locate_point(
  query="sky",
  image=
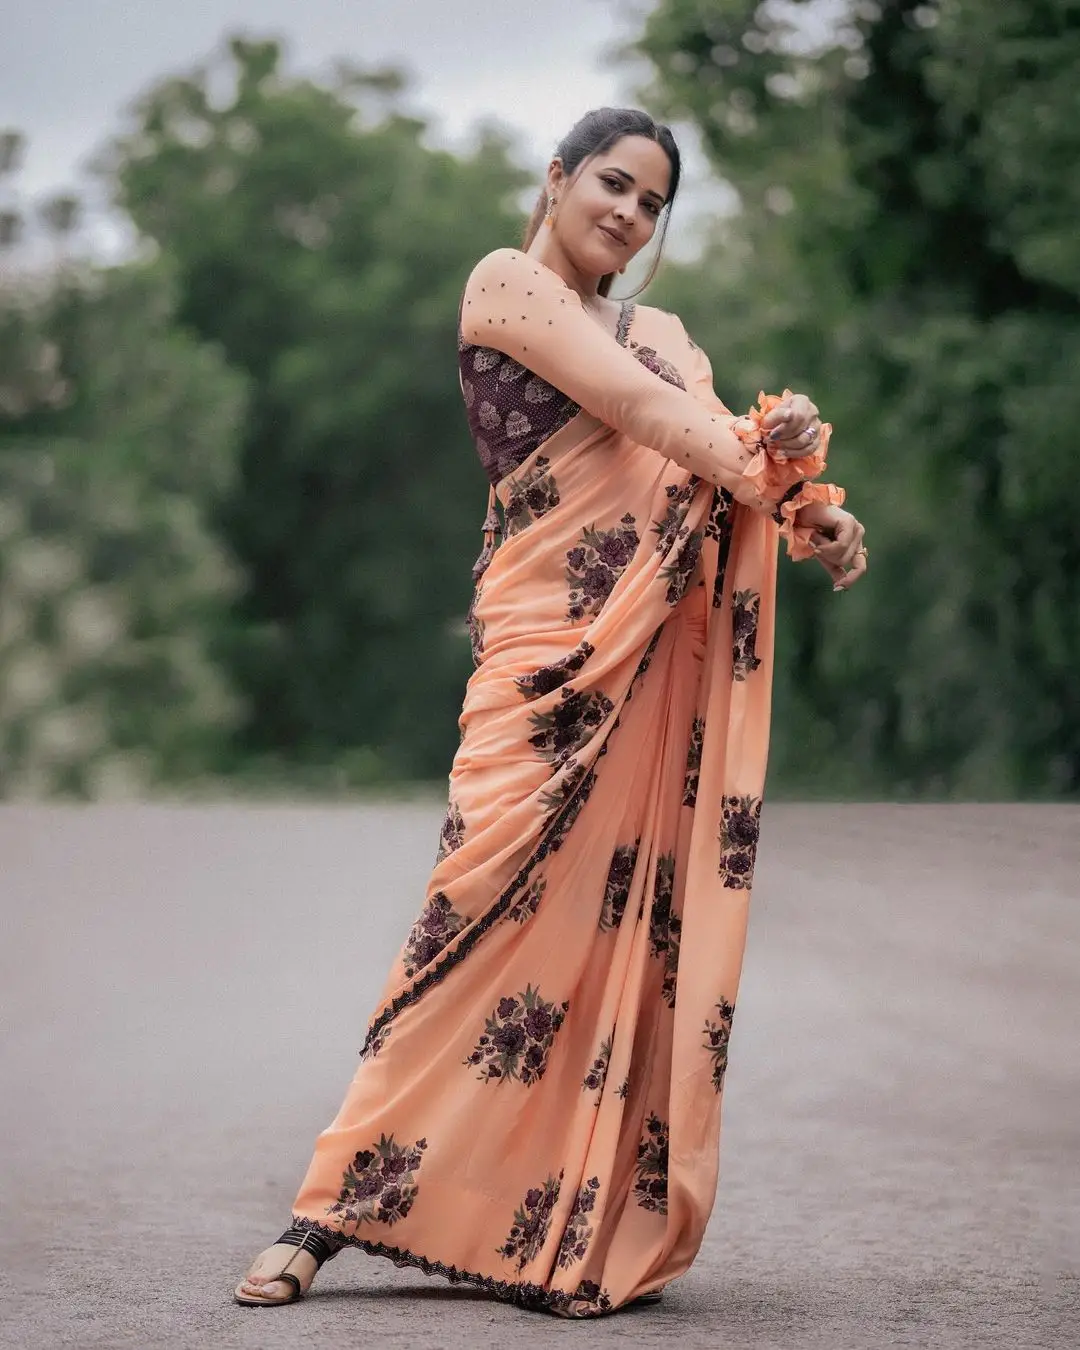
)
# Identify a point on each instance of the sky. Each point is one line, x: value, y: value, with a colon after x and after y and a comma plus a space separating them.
x: 70, y: 68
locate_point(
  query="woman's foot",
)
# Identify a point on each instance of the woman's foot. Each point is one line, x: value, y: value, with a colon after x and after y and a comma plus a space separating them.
x: 260, y: 1280
x: 285, y: 1271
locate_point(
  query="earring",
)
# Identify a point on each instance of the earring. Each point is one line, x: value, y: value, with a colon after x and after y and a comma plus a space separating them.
x: 621, y: 270
x: 550, y: 217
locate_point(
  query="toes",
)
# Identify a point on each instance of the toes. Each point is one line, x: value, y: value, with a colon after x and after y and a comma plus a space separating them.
x: 274, y: 1289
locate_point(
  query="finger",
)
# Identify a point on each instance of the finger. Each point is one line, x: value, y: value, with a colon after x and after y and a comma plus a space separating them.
x: 833, y: 551
x: 855, y: 573
x: 852, y: 540
x: 800, y: 413
x: 778, y: 419
x: 836, y: 573
x: 794, y: 446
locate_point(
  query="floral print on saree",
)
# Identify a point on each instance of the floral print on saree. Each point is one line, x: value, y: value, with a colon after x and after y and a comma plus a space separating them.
x: 573, y: 759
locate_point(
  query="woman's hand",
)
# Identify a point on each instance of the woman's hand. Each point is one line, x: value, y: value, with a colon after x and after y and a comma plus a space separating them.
x: 792, y: 427
x: 838, y: 542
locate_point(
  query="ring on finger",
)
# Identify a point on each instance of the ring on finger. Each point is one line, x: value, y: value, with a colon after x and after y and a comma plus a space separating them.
x: 810, y: 433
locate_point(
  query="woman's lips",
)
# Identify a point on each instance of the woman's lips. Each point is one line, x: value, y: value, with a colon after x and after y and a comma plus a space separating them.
x: 619, y: 243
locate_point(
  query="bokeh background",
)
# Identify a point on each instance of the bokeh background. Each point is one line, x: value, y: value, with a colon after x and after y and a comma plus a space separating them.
x: 238, y: 501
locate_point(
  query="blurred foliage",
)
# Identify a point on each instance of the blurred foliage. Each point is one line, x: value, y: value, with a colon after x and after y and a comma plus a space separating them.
x: 908, y: 252
x: 118, y: 435
x: 324, y: 248
x: 238, y: 505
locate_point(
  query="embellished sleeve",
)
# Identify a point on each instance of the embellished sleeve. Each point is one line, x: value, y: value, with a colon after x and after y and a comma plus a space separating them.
x: 785, y: 483
x: 517, y: 305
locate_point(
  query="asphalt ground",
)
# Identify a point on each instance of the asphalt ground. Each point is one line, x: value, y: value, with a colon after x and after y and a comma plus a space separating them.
x: 184, y: 991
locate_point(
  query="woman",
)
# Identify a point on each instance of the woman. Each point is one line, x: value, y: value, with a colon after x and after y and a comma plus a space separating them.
x: 537, y: 1107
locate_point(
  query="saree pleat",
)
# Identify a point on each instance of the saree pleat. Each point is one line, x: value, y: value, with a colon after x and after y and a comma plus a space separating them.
x: 537, y: 1107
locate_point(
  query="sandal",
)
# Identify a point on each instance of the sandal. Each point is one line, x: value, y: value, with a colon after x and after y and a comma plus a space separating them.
x: 304, y: 1240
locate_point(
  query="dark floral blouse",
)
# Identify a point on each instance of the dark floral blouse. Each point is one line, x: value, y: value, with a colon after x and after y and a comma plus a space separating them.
x: 511, y: 410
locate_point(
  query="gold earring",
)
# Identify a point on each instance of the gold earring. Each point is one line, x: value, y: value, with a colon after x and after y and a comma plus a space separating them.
x: 549, y: 219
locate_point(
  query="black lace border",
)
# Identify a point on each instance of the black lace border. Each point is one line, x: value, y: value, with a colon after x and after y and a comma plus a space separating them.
x: 793, y: 491
x: 453, y: 955
x: 524, y: 1294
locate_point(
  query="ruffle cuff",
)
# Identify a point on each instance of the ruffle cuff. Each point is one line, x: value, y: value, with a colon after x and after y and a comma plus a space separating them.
x: 773, y: 475
x: 797, y: 537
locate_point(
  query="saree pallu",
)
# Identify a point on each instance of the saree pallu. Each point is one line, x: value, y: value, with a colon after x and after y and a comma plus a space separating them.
x: 537, y: 1107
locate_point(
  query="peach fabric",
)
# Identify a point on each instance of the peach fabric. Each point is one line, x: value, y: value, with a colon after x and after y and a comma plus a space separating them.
x: 537, y: 1107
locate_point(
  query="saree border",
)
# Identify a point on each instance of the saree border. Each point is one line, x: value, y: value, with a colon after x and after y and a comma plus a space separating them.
x: 524, y: 1293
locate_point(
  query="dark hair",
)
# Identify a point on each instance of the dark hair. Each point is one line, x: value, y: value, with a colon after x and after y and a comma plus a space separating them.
x: 595, y: 133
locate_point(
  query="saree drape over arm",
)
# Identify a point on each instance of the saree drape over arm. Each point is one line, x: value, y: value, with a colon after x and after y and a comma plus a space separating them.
x: 537, y: 1107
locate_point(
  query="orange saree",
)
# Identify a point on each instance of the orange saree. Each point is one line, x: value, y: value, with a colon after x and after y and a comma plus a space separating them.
x: 537, y: 1107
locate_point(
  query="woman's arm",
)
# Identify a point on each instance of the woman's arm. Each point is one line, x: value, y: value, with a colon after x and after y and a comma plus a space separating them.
x: 518, y: 306
x: 806, y: 508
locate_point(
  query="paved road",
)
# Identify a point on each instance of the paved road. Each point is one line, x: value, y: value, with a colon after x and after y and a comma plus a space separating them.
x: 184, y: 992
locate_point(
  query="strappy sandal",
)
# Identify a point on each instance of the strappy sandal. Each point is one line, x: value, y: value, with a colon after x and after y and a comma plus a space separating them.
x: 304, y: 1240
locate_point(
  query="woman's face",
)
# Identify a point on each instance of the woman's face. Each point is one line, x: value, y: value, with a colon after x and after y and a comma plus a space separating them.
x: 608, y: 212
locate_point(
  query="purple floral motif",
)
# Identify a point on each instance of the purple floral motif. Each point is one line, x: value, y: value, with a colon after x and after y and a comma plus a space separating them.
x: 549, y: 678
x: 693, y: 762
x: 597, y: 1075
x: 577, y: 1234
x: 452, y: 835
x: 376, y: 1042
x: 740, y: 824
x: 379, y: 1185
x: 651, y: 1186
x: 438, y: 924
x: 659, y: 365
x: 595, y: 564
x: 517, y: 1038
x: 665, y: 928
x: 559, y: 733
x: 526, y: 905
x: 680, y: 571
x: 744, y: 625
x: 670, y: 528
x: 617, y: 887
x: 717, y: 1036
x: 474, y: 626
x: 588, y: 1291
x: 566, y: 799
x: 673, y: 535
x: 532, y: 1220
x: 531, y: 496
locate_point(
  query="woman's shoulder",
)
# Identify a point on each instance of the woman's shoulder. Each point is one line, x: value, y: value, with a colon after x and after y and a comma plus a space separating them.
x: 664, y: 320
x: 510, y: 266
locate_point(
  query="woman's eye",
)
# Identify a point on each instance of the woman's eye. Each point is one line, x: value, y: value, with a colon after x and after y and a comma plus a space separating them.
x: 651, y: 206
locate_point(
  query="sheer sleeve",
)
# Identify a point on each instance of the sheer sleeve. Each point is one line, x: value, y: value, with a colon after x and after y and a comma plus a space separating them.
x: 517, y: 305
x: 700, y: 373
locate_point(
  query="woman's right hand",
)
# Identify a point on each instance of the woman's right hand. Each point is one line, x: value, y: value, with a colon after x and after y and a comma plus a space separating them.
x: 838, y: 542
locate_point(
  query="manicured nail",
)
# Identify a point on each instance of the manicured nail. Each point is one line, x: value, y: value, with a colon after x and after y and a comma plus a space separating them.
x: 838, y: 587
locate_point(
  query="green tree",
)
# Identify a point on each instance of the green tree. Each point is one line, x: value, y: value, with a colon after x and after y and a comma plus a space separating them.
x: 118, y: 434
x: 908, y: 251
x: 324, y: 247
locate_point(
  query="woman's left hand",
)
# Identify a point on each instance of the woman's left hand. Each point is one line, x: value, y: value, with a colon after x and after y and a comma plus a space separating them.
x: 793, y: 427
